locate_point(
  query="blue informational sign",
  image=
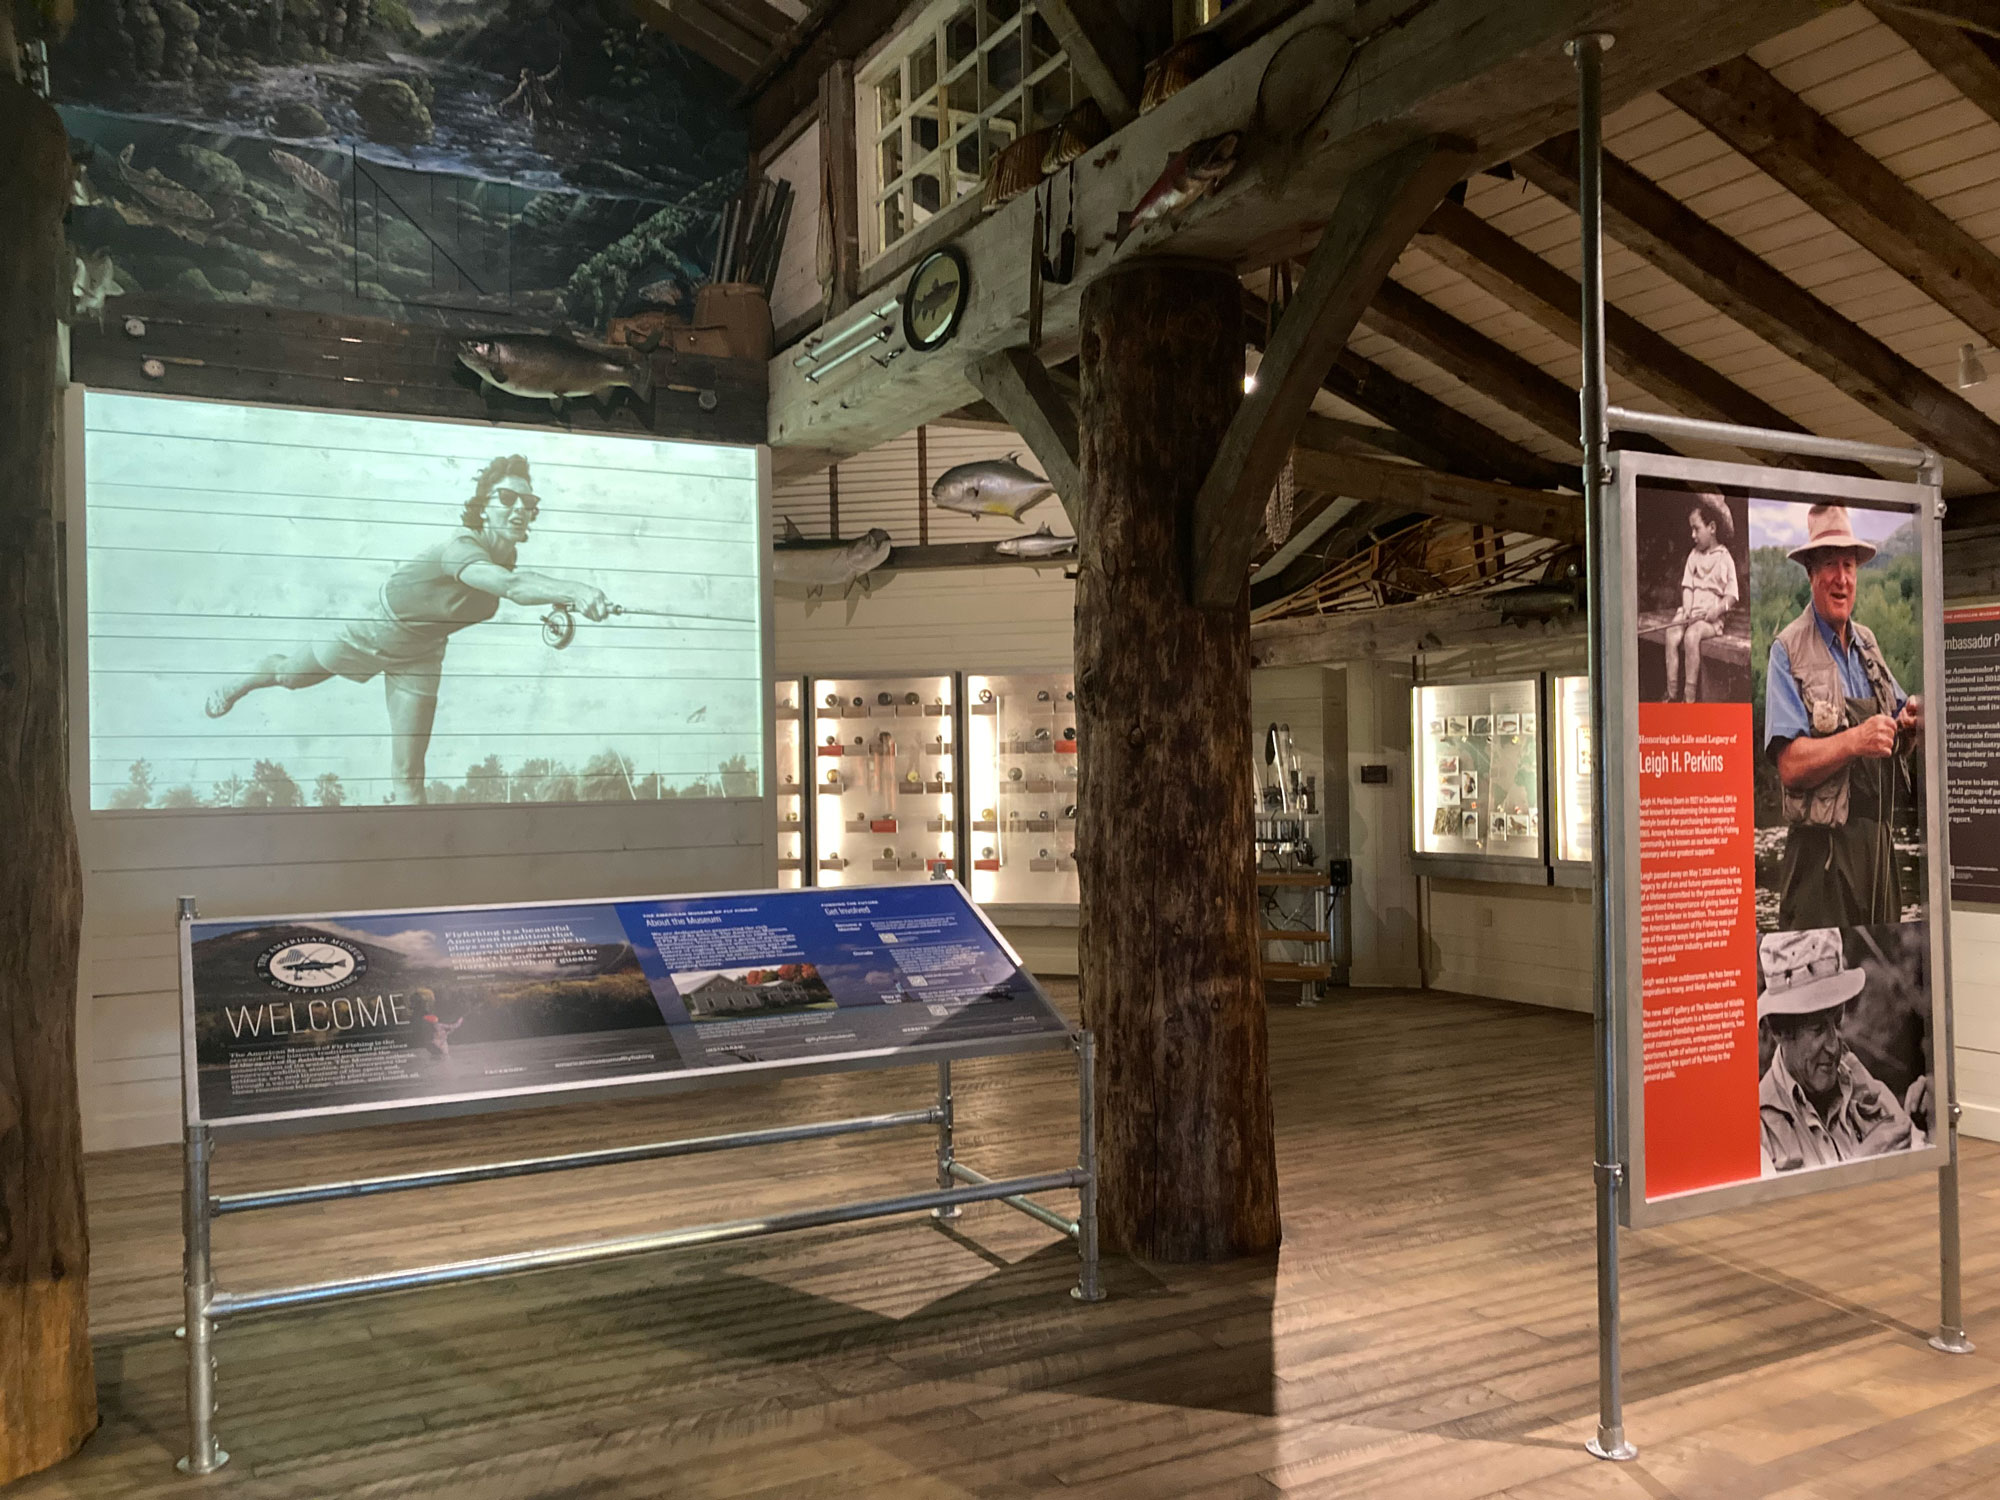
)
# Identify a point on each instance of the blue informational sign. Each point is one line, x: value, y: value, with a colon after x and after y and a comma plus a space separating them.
x: 373, y: 1012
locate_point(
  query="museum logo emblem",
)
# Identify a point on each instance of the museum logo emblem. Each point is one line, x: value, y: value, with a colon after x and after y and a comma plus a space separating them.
x: 310, y: 966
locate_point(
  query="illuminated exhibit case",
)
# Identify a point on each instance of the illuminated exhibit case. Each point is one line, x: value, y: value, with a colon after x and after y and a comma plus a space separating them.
x: 1573, y: 768
x: 1477, y: 785
x: 1021, y: 778
x: 304, y: 609
x: 967, y: 776
x: 885, y: 774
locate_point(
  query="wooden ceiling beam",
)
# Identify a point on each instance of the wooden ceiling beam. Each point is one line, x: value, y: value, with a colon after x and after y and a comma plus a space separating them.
x: 1402, y: 630
x: 1473, y: 448
x: 1791, y: 142
x: 1475, y: 70
x: 706, y: 34
x: 1020, y: 388
x: 1337, y: 435
x: 1750, y: 290
x: 1379, y: 209
x: 1457, y: 237
x: 1971, y: 63
x: 1103, y: 52
x: 1968, y: 15
x: 1473, y: 359
x: 1504, y: 507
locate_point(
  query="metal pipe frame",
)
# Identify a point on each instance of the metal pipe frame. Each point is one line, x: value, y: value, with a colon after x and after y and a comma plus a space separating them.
x: 1694, y: 429
x: 237, y: 1304
x: 205, y: 1306
x: 369, y: 1187
x: 1607, y: 929
x: 1028, y: 1206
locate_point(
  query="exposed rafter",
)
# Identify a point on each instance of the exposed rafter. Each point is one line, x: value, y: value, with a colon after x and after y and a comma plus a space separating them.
x: 1748, y: 289
x: 1504, y: 507
x: 1473, y: 359
x: 1103, y: 52
x: 1019, y: 387
x: 1494, y: 75
x: 1971, y: 15
x: 1337, y: 435
x: 1401, y: 630
x: 1971, y: 62
x: 1378, y: 211
x: 1473, y: 448
x: 1457, y: 237
x: 1784, y: 136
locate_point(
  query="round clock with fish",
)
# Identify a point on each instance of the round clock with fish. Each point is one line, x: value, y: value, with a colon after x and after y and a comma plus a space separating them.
x: 934, y: 301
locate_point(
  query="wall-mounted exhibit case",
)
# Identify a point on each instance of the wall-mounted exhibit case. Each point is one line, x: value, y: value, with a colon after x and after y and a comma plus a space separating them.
x: 1477, y: 793
x: 1575, y: 753
x: 1020, y: 778
x: 885, y: 768
x: 922, y: 778
x: 791, y: 775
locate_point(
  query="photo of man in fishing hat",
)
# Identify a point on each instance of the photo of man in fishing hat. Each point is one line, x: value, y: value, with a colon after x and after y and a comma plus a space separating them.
x: 1843, y: 736
x: 1817, y: 1104
x: 402, y: 632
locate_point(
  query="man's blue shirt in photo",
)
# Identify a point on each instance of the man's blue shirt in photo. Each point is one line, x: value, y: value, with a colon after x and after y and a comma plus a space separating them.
x: 1785, y: 716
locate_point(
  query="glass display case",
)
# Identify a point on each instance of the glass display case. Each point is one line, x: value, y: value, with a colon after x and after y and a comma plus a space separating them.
x: 790, y: 773
x: 883, y: 751
x: 1477, y: 779
x: 1021, y: 769
x: 1575, y: 769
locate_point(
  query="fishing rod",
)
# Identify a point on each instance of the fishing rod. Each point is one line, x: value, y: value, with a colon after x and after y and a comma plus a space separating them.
x: 559, y: 624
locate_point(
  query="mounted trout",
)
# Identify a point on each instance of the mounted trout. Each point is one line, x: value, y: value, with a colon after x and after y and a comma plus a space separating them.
x: 990, y: 487
x: 825, y: 565
x: 1188, y: 177
x: 554, y: 370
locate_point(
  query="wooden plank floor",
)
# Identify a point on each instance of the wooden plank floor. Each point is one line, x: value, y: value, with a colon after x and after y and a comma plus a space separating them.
x: 1427, y: 1332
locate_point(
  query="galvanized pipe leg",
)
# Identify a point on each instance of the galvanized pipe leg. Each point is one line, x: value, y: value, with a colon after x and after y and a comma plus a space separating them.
x: 198, y: 1283
x: 945, y: 1149
x: 1609, y: 933
x: 1950, y: 1337
x: 1087, y: 1288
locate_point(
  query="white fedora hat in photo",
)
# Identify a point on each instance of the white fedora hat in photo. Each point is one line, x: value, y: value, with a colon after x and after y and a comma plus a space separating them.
x: 1830, y: 526
x: 1805, y: 973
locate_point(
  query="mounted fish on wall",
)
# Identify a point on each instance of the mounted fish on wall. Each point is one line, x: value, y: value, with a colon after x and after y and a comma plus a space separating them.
x: 476, y: 163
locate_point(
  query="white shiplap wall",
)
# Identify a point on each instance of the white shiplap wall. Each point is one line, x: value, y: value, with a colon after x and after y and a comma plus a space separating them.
x: 304, y: 860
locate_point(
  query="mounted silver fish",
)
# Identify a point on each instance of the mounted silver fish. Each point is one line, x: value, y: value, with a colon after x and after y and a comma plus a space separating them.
x: 555, y: 370
x: 1036, y: 544
x: 823, y: 565
x: 990, y: 487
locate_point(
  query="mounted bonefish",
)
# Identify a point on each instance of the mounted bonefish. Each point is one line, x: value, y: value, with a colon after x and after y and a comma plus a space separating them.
x: 826, y: 565
x: 990, y: 487
x: 1036, y: 544
x: 554, y: 370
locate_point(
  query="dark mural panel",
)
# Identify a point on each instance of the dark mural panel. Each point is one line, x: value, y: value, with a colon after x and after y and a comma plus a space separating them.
x: 540, y: 160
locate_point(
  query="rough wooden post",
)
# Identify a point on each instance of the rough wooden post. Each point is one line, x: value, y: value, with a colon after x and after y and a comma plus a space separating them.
x: 1167, y: 944
x: 48, y: 1395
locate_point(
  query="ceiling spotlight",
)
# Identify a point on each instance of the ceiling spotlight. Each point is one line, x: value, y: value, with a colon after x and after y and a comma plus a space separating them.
x: 1250, y: 379
x: 1970, y: 371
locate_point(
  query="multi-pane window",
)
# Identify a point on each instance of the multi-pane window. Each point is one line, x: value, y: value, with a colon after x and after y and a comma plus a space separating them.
x: 963, y: 84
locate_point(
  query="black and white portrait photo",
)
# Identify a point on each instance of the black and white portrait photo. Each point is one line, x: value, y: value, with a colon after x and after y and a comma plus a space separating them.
x: 1844, y: 1045
x: 1693, y: 596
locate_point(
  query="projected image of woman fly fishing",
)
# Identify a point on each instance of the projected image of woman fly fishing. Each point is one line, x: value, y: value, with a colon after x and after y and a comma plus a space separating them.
x: 457, y: 581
